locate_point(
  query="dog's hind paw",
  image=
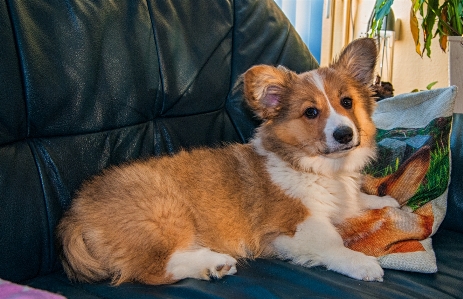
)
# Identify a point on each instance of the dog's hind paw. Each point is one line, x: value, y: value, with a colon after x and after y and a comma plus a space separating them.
x: 219, y: 271
x: 201, y: 263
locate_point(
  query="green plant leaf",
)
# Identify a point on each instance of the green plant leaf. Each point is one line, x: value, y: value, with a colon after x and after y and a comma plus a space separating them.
x: 382, y: 9
x: 428, y: 24
x: 458, y: 16
x: 430, y: 85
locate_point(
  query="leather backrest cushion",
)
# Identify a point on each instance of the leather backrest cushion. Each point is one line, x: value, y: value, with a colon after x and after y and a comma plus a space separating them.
x: 454, y: 216
x: 88, y: 84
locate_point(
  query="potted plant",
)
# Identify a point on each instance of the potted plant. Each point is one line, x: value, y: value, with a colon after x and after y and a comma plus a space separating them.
x: 438, y: 18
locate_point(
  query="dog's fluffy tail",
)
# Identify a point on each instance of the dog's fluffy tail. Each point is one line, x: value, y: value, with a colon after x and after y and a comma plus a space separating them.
x: 76, y: 258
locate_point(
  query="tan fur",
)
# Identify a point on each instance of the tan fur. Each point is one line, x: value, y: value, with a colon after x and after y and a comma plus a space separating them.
x: 131, y: 218
x: 130, y: 222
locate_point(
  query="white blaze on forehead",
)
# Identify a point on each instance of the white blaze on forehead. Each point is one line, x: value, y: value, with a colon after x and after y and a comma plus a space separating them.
x: 335, y: 119
x: 319, y: 83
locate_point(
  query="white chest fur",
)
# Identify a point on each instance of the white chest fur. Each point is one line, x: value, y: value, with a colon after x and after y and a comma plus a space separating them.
x: 336, y: 197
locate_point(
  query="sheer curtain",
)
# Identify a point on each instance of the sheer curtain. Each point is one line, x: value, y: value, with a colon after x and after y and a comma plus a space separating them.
x: 306, y: 17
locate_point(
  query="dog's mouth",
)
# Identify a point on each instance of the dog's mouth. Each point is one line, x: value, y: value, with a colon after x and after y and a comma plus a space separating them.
x: 340, y: 150
x: 323, y: 149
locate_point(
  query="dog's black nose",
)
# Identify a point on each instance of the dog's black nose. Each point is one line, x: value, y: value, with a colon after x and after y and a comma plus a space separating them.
x: 343, y: 134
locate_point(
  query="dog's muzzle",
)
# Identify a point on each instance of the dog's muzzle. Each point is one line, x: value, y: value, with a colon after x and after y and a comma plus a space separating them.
x: 343, y: 139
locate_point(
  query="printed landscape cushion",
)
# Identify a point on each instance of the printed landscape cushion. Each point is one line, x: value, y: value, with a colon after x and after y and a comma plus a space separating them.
x: 413, y: 166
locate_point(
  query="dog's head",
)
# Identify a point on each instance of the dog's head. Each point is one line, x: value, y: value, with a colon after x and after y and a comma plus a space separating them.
x: 318, y: 121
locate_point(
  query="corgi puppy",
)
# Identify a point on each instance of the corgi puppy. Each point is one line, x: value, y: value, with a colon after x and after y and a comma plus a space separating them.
x: 194, y: 214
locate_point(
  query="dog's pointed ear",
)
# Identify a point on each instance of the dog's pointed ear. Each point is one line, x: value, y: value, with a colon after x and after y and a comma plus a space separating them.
x: 264, y: 88
x: 358, y: 59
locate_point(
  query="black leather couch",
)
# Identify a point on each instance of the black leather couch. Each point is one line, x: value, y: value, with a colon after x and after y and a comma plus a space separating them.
x: 87, y: 84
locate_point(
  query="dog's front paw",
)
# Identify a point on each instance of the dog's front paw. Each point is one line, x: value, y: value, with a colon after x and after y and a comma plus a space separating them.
x: 359, y: 266
x: 367, y: 268
x: 407, y: 209
x: 389, y: 201
x: 376, y: 202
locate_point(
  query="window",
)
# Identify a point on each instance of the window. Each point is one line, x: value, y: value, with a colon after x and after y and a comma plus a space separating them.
x: 306, y: 17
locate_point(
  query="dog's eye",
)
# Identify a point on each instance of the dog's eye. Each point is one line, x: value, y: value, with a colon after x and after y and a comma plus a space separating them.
x: 346, y: 103
x: 311, y: 113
